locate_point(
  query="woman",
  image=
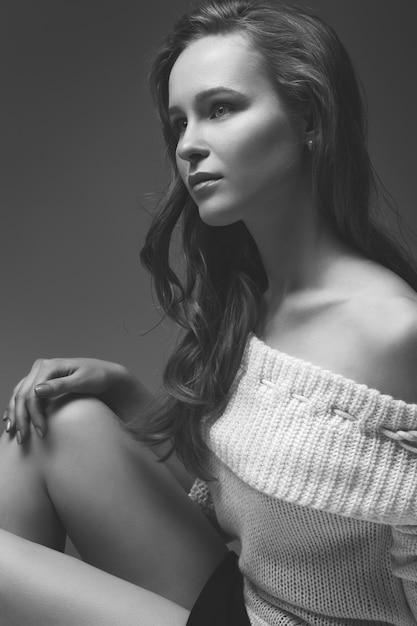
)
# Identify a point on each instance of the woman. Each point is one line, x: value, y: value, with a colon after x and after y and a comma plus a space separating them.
x: 295, y: 309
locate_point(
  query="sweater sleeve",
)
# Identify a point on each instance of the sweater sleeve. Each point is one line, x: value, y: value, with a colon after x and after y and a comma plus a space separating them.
x: 404, y: 562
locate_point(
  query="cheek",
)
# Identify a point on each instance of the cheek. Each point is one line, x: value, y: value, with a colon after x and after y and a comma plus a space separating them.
x: 265, y: 149
x: 181, y: 168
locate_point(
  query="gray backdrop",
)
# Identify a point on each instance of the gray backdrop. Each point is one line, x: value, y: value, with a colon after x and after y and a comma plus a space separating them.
x: 82, y: 157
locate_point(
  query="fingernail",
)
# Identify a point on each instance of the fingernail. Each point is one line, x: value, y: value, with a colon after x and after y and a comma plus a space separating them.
x: 6, y: 413
x: 19, y: 437
x: 39, y: 432
x: 8, y: 426
x: 42, y: 390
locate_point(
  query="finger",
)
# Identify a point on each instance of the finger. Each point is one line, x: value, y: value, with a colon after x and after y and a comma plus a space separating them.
x: 21, y: 414
x: 35, y: 408
x: 22, y: 419
x: 72, y: 383
x: 6, y: 420
x: 9, y: 420
x: 9, y: 414
x: 7, y: 423
x: 27, y: 405
x: 64, y: 381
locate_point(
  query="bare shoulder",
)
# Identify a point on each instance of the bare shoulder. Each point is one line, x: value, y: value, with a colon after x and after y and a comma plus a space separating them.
x: 384, y: 324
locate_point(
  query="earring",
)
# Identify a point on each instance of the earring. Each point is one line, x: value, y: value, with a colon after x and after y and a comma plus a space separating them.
x: 310, y: 144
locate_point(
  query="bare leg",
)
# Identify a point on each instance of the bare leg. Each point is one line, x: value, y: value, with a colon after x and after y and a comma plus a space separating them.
x: 43, y: 587
x: 125, y: 513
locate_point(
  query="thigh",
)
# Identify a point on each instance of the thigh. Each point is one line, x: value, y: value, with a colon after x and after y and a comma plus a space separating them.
x: 42, y: 587
x: 123, y: 510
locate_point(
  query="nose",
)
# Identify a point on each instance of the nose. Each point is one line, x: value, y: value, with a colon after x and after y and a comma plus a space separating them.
x: 192, y: 146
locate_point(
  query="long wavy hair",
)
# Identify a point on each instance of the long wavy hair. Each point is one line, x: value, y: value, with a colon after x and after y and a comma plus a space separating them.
x: 215, y: 296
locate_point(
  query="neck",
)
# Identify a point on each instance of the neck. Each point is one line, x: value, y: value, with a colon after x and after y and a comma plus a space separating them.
x: 297, y: 247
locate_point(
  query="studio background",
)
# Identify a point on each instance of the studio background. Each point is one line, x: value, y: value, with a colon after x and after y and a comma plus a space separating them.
x: 82, y: 159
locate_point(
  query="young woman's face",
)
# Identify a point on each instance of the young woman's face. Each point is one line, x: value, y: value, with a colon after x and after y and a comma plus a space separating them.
x: 238, y: 152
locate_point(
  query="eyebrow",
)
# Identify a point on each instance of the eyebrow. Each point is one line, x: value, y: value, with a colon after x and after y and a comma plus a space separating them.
x: 207, y: 93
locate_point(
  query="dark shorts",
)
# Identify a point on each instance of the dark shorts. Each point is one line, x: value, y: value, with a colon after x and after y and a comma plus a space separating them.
x: 221, y: 601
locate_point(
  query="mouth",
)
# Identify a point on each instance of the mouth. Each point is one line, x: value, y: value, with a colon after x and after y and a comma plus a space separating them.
x: 205, y: 184
x: 202, y: 180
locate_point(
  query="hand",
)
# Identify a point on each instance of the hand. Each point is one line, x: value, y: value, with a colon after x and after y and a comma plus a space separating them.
x: 50, y: 378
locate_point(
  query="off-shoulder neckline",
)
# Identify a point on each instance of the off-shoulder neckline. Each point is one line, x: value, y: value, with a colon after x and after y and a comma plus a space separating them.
x: 304, y: 366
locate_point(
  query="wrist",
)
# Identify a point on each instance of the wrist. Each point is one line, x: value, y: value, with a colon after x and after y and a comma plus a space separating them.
x: 125, y: 394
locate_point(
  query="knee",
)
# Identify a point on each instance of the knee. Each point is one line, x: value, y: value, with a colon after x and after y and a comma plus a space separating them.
x: 78, y: 420
x: 71, y: 412
x: 82, y: 435
x: 68, y: 419
x: 75, y: 424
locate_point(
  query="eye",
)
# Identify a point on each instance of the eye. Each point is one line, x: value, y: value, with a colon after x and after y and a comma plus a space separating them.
x: 220, y: 110
x: 179, y: 125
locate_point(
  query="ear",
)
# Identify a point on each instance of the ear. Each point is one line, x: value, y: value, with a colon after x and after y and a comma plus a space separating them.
x: 307, y: 129
x: 309, y: 138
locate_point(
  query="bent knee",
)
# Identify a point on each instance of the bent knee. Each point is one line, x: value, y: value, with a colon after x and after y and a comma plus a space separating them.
x: 72, y: 424
x: 83, y: 436
x: 71, y: 421
x: 79, y: 421
x: 77, y: 411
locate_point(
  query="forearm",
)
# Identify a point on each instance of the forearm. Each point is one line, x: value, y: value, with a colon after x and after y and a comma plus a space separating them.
x: 127, y: 396
x: 130, y: 399
x: 42, y: 587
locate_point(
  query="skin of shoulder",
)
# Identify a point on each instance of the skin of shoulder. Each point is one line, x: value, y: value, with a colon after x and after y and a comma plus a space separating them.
x: 386, y: 342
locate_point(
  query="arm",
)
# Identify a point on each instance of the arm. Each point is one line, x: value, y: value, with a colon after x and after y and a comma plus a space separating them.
x: 42, y: 587
x: 393, y: 367
x: 110, y: 382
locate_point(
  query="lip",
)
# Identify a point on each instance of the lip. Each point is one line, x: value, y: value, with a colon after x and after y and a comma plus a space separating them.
x: 199, y: 180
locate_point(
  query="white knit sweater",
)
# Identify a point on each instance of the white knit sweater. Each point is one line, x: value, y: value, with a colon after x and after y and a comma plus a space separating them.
x: 317, y: 480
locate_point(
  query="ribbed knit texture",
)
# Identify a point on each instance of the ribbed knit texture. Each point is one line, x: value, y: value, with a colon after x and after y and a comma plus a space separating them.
x: 314, y: 471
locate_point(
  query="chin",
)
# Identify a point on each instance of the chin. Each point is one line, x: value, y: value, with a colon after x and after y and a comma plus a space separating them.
x: 218, y: 217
